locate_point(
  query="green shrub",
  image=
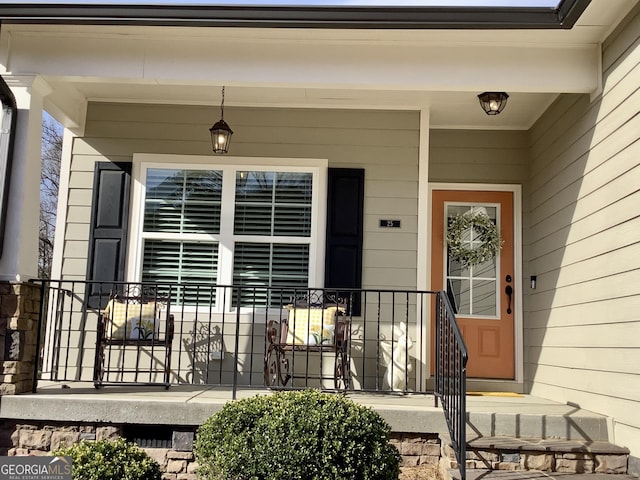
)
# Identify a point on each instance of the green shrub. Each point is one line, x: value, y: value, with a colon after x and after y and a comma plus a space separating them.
x: 305, y: 435
x: 110, y: 460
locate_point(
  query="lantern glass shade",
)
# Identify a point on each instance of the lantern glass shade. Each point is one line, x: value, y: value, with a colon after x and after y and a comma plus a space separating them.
x: 493, y: 102
x: 220, y: 136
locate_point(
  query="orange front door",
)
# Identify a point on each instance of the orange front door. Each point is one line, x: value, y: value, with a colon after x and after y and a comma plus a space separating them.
x: 482, y: 295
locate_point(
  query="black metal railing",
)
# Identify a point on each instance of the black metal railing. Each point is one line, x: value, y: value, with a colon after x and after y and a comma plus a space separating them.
x: 451, y: 377
x: 209, y: 334
x: 202, y: 338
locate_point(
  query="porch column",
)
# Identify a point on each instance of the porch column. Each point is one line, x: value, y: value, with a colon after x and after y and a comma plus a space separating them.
x: 424, y: 244
x: 19, y: 260
x: 19, y: 311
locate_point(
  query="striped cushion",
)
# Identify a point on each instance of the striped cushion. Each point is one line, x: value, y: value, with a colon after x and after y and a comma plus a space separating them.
x: 134, y: 321
x: 312, y: 326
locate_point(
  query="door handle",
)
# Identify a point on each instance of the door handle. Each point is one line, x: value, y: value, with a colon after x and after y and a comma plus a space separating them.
x: 509, y: 291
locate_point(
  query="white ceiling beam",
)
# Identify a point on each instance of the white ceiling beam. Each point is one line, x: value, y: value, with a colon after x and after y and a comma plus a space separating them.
x: 317, y: 64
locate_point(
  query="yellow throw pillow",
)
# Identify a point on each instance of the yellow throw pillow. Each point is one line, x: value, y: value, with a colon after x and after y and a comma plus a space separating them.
x: 136, y: 321
x: 312, y: 326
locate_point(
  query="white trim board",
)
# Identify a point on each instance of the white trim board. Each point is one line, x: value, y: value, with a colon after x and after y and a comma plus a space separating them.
x: 517, y: 253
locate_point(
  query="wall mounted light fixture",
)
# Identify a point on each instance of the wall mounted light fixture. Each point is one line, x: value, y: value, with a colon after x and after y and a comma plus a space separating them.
x: 493, y: 102
x: 534, y: 282
x: 221, y: 132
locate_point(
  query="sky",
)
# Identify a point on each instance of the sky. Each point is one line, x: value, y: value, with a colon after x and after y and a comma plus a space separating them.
x: 328, y: 3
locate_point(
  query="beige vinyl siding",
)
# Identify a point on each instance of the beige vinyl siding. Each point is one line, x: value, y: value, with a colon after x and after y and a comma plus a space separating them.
x: 478, y: 156
x: 347, y: 138
x: 385, y: 144
x: 582, y: 240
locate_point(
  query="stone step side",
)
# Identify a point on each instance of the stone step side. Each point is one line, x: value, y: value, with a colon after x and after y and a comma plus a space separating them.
x: 480, y: 474
x: 544, y: 455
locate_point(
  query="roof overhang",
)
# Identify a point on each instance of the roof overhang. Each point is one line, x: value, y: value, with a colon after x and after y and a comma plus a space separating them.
x: 436, y: 70
x: 562, y: 16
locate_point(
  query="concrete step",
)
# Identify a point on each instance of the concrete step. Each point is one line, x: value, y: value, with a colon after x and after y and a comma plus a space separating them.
x: 532, y: 417
x: 589, y: 427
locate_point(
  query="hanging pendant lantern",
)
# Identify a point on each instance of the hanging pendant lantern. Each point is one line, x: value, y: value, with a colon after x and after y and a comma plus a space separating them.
x: 221, y: 132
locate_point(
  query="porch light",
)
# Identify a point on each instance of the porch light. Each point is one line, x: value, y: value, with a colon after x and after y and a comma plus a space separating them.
x: 221, y: 132
x: 493, y: 102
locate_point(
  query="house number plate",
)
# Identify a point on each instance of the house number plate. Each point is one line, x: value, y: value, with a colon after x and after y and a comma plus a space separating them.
x: 390, y: 223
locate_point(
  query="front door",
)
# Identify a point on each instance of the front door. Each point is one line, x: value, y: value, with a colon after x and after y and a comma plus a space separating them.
x: 480, y: 291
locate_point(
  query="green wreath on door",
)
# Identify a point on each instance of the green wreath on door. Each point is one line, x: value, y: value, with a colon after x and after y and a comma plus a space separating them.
x: 484, y: 229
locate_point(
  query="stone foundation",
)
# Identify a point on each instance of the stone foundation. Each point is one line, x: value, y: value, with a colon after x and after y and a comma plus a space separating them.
x: 634, y: 467
x: 178, y: 461
x: 174, y: 451
x: 417, y: 449
x: 42, y: 438
x: 19, y: 312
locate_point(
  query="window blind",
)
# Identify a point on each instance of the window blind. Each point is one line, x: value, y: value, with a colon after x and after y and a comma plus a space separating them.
x: 274, y: 265
x: 273, y: 203
x: 174, y: 262
x: 183, y: 201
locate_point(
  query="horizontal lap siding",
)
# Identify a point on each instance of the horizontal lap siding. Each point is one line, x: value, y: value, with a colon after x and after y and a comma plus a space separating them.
x: 385, y: 144
x: 582, y: 240
x: 478, y: 156
x: 600, y: 398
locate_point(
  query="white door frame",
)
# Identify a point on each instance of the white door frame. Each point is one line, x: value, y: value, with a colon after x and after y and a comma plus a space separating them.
x: 517, y: 252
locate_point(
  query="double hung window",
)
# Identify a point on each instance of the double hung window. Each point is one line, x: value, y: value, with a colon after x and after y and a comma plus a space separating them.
x: 253, y: 227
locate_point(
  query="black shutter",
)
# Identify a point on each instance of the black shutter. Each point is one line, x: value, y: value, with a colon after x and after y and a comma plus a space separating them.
x: 106, y: 259
x: 343, y: 260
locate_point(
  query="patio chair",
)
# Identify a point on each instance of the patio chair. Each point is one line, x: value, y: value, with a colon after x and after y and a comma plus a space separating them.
x: 134, y: 339
x: 316, y: 323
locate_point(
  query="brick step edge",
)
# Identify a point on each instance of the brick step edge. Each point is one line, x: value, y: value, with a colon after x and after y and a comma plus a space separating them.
x: 547, y: 455
x: 545, y: 445
x: 479, y: 474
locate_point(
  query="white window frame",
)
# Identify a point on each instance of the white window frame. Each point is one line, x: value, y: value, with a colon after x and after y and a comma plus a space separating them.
x: 228, y: 165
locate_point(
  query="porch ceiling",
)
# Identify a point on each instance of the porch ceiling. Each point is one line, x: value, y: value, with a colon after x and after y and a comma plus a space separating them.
x: 439, y: 70
x: 447, y: 109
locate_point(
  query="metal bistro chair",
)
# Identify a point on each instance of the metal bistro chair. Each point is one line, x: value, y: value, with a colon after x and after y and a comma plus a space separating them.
x: 134, y: 338
x: 315, y: 323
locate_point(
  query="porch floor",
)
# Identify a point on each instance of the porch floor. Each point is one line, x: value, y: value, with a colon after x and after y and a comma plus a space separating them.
x: 492, y: 415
